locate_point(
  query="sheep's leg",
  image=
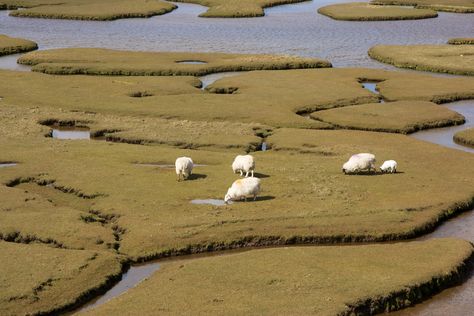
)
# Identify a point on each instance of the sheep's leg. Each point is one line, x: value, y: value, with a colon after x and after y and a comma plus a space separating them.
x: 241, y: 173
x: 252, y: 173
x: 245, y: 199
x: 255, y: 197
x: 246, y: 174
x: 179, y: 177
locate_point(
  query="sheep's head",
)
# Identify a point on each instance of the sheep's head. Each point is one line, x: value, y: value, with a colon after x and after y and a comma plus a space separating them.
x: 229, y: 196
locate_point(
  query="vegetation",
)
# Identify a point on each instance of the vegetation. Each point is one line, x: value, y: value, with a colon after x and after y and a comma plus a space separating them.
x: 453, y: 59
x: 355, y: 280
x: 456, y: 6
x: 461, y: 41
x: 87, y: 9
x: 12, y: 45
x: 114, y: 198
x: 96, y: 61
x: 237, y: 8
x: 465, y: 137
x: 362, y: 11
x: 37, y: 279
x: 395, y: 117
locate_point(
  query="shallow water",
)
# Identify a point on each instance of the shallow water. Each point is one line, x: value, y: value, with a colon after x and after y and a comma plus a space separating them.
x: 71, y: 133
x: 9, y: 62
x: 371, y: 86
x: 210, y: 202
x: 130, y: 279
x: 207, y: 80
x: 444, y: 136
x: 343, y: 43
x: 7, y: 164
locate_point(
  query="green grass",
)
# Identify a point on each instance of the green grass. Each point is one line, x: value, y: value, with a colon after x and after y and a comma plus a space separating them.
x: 237, y: 8
x: 37, y: 279
x: 461, y: 41
x: 465, y: 137
x: 453, y: 59
x: 362, y: 11
x: 88, y: 9
x: 98, y: 196
x: 353, y: 280
x: 96, y: 61
x: 455, y: 6
x: 394, y: 117
x: 12, y: 45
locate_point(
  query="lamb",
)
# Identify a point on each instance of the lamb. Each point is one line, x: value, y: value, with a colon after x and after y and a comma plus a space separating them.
x: 359, y: 162
x: 184, y: 167
x: 242, y: 188
x: 244, y: 163
x: 389, y: 166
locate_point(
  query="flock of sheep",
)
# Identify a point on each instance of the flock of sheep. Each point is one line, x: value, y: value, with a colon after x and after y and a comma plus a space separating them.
x: 250, y: 186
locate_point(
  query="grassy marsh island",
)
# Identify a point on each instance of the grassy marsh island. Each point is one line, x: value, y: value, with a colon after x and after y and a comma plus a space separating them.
x: 461, y: 41
x: 87, y: 9
x: 12, y: 45
x: 455, y: 6
x: 97, y: 61
x: 38, y: 279
x: 362, y: 11
x: 465, y: 137
x: 394, y: 117
x: 452, y: 59
x: 353, y: 280
x: 237, y: 8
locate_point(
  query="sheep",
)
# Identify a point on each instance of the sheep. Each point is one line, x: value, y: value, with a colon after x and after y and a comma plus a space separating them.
x: 242, y: 188
x: 389, y: 166
x: 359, y: 162
x: 184, y: 166
x: 244, y: 163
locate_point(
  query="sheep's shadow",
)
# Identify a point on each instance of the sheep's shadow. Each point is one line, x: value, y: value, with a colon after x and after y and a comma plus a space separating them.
x: 377, y: 173
x: 196, y: 176
x: 258, y: 199
x: 260, y: 175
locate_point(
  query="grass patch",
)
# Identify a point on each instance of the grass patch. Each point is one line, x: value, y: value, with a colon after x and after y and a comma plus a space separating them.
x: 465, y: 137
x: 461, y: 41
x: 394, y: 117
x: 12, y: 45
x: 453, y: 59
x: 362, y: 11
x: 237, y: 8
x: 455, y: 6
x: 355, y: 280
x: 97, y: 61
x: 88, y: 9
x: 37, y: 279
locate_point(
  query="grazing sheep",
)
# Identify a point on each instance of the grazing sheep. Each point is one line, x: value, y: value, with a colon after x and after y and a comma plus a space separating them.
x: 389, y: 166
x: 184, y: 166
x: 359, y: 162
x: 242, y: 188
x: 244, y: 163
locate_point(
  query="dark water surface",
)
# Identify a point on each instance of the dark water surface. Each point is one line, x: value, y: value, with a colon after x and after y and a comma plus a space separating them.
x: 295, y: 29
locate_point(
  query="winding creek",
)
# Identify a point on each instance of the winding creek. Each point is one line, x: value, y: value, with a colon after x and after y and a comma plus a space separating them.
x: 343, y: 43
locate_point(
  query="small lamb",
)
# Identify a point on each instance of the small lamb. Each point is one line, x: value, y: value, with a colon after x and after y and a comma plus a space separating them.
x: 389, y: 166
x: 244, y: 163
x: 360, y: 162
x: 242, y: 188
x: 184, y: 167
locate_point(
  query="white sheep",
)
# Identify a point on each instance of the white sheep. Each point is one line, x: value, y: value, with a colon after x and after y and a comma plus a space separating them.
x: 242, y: 188
x: 184, y: 167
x: 359, y: 162
x: 244, y: 163
x: 389, y: 166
